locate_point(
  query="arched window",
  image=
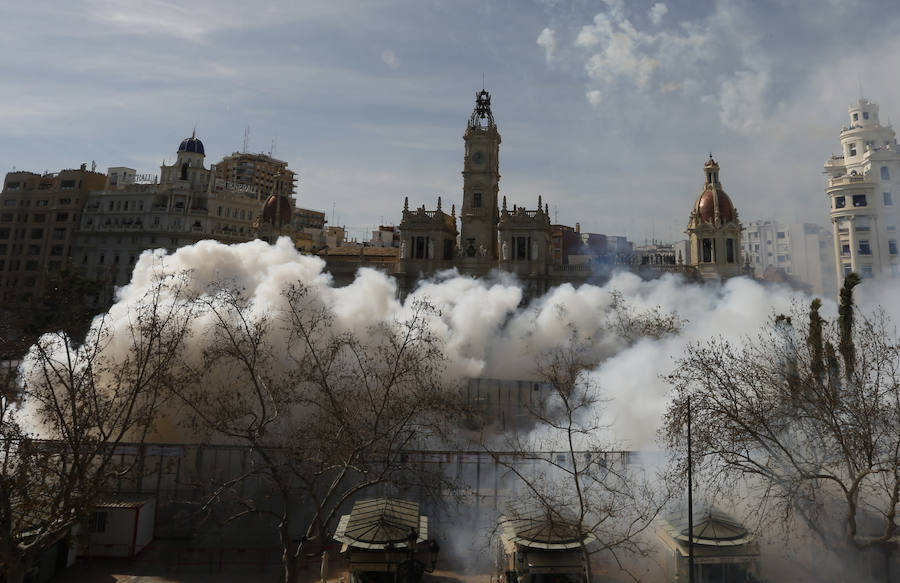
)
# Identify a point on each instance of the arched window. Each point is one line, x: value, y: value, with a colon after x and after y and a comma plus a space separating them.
x: 184, y: 168
x: 885, y: 173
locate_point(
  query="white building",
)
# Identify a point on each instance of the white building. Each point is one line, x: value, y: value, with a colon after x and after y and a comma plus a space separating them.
x: 802, y: 251
x: 862, y: 183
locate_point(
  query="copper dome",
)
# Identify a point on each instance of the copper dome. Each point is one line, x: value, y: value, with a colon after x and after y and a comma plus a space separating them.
x: 707, y: 202
x: 277, y: 210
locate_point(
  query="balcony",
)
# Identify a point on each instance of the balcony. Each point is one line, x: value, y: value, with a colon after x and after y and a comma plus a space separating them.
x: 845, y: 180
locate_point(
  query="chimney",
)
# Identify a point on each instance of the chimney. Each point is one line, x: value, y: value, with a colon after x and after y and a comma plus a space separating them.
x: 577, y: 227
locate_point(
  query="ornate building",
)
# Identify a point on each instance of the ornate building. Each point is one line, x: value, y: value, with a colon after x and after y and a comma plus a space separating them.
x: 182, y: 207
x: 861, y: 196
x: 488, y: 238
x: 714, y: 230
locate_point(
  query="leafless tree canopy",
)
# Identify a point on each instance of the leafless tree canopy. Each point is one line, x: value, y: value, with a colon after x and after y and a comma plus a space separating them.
x: 583, y: 481
x: 87, y: 398
x: 807, y: 414
x: 326, y: 413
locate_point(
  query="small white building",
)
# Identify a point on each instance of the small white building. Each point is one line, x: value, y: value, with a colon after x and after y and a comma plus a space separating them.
x: 802, y: 251
x: 121, y: 526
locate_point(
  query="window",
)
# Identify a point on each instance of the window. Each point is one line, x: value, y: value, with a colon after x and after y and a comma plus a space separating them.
x: 476, y: 200
x: 111, y: 205
x: 10, y: 202
x: 6, y: 217
x: 41, y: 203
x: 782, y: 259
x: 780, y: 234
x: 56, y: 250
x: 729, y: 250
x: 37, y: 233
x: 851, y: 149
x: 67, y: 184
x: 97, y: 522
x: 40, y: 218
x: 218, y: 211
x: 59, y: 234
x: 888, y: 199
x: 885, y: 173
x: 855, y: 117
x: 521, y: 248
x: 864, y: 248
x: 13, y: 185
x: 707, y: 250
x: 65, y: 201
x: 4, y: 233
x: 892, y: 246
x: 31, y: 265
x: 845, y: 249
x: 419, y: 247
x: 867, y: 271
x: 865, y: 115
x: 859, y: 200
x: 62, y: 217
x: 34, y: 249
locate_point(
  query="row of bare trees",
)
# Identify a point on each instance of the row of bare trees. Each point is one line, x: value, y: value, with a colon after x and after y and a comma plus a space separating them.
x: 805, y: 417
x: 802, y: 423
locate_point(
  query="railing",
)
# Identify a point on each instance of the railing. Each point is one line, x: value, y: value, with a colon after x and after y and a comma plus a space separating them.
x: 840, y: 180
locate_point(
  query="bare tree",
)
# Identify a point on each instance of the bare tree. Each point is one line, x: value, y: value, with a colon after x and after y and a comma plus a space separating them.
x: 81, y: 401
x: 326, y: 413
x: 583, y: 479
x: 804, y: 416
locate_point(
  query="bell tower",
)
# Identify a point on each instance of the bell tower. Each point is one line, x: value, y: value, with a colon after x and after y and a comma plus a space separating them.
x: 479, y: 214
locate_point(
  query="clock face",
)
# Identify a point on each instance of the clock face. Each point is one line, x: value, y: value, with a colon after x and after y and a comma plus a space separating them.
x: 478, y: 157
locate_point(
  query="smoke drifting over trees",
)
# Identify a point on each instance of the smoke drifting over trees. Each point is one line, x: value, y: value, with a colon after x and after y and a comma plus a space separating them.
x: 805, y: 416
x: 481, y: 326
x: 241, y: 329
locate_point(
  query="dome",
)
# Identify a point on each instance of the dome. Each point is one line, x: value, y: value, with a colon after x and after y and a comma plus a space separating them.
x: 192, y: 144
x: 277, y: 211
x: 710, y: 199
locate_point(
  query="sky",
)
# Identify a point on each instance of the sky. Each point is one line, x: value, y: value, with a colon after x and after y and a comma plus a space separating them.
x: 608, y: 109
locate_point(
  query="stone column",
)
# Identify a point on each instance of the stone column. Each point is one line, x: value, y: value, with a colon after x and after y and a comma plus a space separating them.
x: 837, y: 250
x: 854, y: 252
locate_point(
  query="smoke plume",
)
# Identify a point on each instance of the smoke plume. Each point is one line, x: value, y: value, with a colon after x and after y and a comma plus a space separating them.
x: 485, y: 328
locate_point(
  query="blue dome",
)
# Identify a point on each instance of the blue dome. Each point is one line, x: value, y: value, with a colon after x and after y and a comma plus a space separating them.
x: 192, y: 144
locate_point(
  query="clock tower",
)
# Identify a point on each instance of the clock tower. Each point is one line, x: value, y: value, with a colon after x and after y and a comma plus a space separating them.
x: 479, y: 214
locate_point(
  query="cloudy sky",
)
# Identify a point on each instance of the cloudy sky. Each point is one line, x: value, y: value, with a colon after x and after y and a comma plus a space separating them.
x: 607, y: 108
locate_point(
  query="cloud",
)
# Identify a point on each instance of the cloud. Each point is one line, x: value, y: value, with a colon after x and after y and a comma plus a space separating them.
x: 547, y: 41
x: 741, y: 101
x: 657, y: 12
x: 594, y: 97
x: 390, y: 58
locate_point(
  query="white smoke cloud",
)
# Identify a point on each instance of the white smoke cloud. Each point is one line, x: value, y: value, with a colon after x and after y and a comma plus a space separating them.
x: 389, y: 58
x: 547, y: 41
x: 485, y: 329
x: 657, y: 13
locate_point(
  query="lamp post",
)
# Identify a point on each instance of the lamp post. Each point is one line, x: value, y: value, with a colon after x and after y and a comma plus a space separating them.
x: 690, y: 486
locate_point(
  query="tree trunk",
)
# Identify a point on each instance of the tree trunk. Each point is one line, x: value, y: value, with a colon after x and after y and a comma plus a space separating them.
x: 15, y: 571
x: 588, y: 573
x: 287, y: 557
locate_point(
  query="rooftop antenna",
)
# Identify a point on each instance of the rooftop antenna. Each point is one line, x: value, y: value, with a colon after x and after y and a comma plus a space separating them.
x: 246, y: 139
x: 482, y: 80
